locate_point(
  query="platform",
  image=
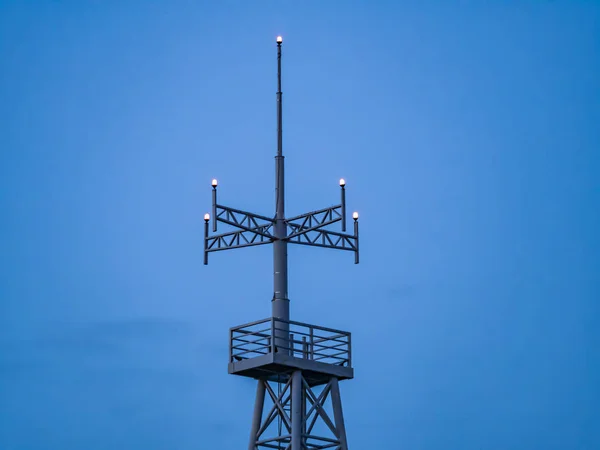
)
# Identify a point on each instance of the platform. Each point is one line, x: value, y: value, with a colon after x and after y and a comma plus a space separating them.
x: 272, y: 349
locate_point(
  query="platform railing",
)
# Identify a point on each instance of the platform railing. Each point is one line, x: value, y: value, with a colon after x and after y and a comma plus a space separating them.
x: 304, y: 341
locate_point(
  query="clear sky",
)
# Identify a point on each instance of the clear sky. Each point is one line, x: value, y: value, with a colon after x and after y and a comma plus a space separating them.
x: 468, y: 133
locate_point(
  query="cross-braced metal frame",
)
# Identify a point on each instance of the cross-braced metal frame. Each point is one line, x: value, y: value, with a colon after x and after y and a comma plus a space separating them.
x: 312, y: 411
x: 297, y: 358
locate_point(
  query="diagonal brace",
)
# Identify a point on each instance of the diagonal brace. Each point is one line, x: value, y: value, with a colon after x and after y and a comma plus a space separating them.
x: 234, y: 239
x: 326, y: 239
x: 244, y: 220
x: 312, y: 398
x: 313, y: 220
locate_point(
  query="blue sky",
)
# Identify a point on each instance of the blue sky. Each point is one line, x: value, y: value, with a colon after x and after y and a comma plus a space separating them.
x: 468, y: 135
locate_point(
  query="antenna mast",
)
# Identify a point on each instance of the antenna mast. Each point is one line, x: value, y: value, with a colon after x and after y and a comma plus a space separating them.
x: 297, y: 358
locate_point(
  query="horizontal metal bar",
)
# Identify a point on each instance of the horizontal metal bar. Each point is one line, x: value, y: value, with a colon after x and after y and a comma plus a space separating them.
x: 321, y: 245
x: 321, y: 438
x: 251, y: 324
x: 256, y: 342
x: 338, y: 234
x: 331, y: 349
x: 227, y: 240
x: 315, y: 327
x: 322, y: 447
x: 333, y: 353
x: 275, y: 439
x: 259, y: 351
x: 335, y: 339
x: 321, y: 347
x: 273, y: 446
x: 333, y: 361
x: 242, y: 338
x: 319, y: 344
x: 337, y: 355
x: 240, y: 349
x: 320, y: 211
x: 239, y: 211
x: 245, y: 331
x: 247, y: 345
x: 229, y: 247
x: 265, y: 332
x: 325, y: 356
x: 239, y: 354
x: 230, y: 233
x: 337, y: 336
x: 311, y: 446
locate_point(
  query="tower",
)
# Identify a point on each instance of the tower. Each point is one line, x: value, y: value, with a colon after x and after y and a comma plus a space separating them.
x: 297, y: 366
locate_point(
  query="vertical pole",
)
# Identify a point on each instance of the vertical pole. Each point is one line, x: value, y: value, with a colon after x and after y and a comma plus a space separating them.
x: 343, y: 208
x: 205, y: 242
x: 280, y: 304
x: 230, y: 345
x: 214, y: 208
x: 304, y: 424
x: 272, y: 337
x: 312, y: 343
x: 356, y: 236
x: 336, y: 400
x: 349, y: 350
x: 257, y: 416
x: 296, y: 413
x: 304, y: 348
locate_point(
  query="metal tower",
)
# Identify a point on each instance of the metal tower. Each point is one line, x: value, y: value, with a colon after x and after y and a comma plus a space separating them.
x: 297, y: 365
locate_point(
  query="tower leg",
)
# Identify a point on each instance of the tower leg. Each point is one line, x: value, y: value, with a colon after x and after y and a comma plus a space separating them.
x: 338, y: 415
x: 296, y: 411
x: 258, y: 411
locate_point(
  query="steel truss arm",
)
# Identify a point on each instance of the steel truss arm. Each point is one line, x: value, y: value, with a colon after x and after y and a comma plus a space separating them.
x: 307, y: 229
x: 313, y: 221
x: 239, y: 239
x: 325, y: 238
x: 253, y: 229
x: 244, y: 220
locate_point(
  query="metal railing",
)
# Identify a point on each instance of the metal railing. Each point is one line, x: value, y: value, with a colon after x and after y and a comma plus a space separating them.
x: 299, y: 340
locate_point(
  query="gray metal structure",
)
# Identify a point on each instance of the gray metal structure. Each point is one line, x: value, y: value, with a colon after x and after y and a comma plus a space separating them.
x: 297, y: 365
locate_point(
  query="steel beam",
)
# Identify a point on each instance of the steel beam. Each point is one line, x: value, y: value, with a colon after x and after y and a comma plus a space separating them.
x: 257, y: 416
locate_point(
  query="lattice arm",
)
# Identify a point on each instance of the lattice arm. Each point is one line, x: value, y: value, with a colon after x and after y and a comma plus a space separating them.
x: 312, y: 221
x: 307, y: 229
x: 252, y: 229
x: 236, y: 239
x: 244, y: 220
x: 327, y: 239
